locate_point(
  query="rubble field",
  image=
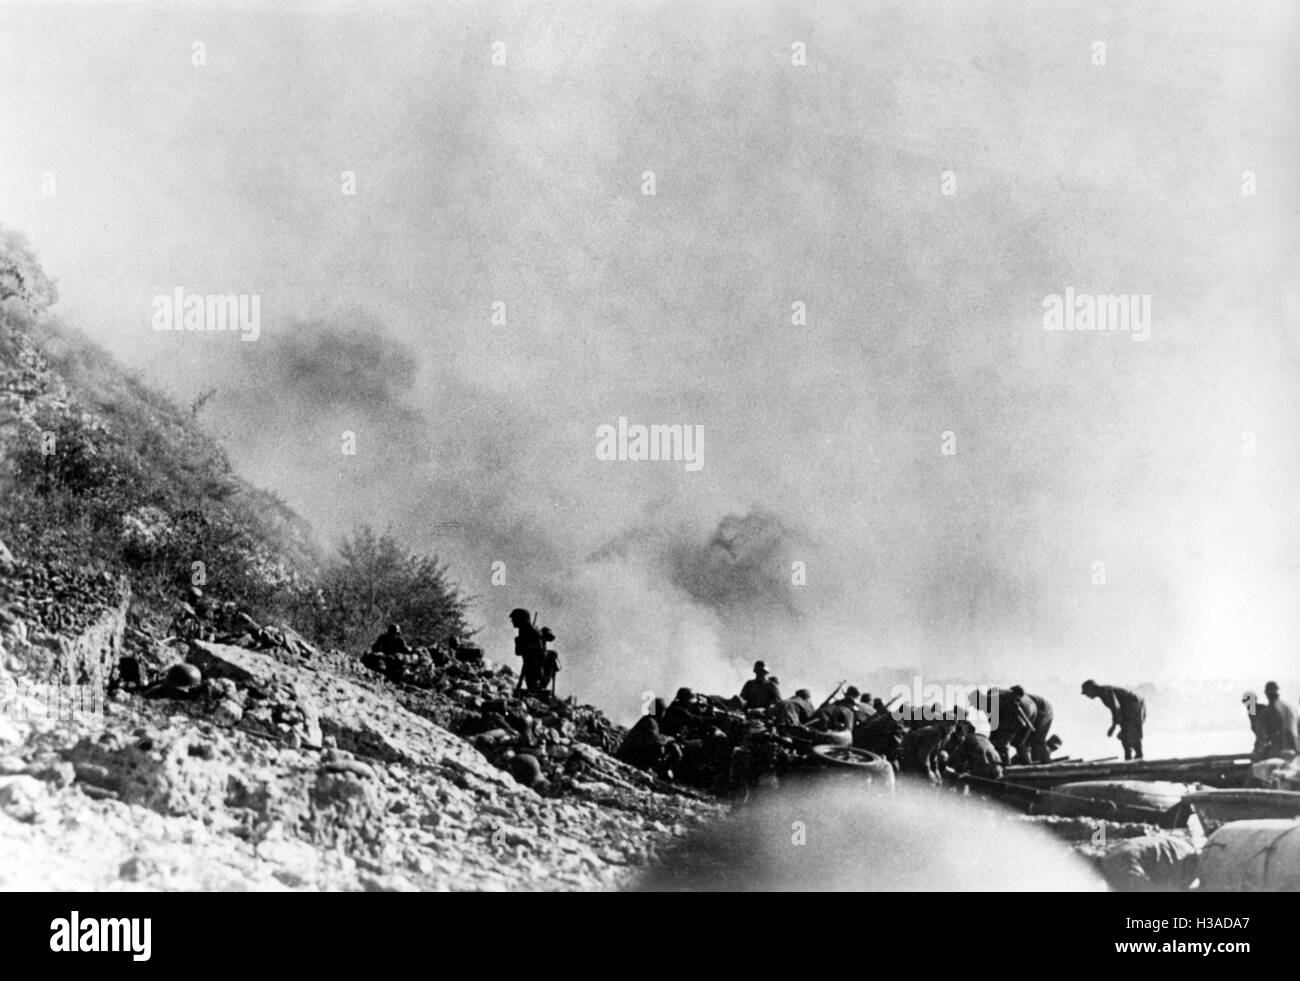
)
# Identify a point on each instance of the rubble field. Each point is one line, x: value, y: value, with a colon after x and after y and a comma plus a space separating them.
x: 290, y: 768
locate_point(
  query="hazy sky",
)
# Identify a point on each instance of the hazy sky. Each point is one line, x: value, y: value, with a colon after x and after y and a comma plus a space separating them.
x: 774, y: 183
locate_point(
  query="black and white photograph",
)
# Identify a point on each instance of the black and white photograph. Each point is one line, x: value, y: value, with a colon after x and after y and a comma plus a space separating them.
x: 650, y: 448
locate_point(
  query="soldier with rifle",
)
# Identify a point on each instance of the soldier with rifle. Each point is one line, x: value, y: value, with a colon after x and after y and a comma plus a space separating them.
x: 529, y: 646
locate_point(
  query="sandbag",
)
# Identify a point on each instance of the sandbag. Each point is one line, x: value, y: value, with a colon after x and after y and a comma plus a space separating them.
x: 1150, y: 863
x: 1116, y: 800
x: 1252, y: 856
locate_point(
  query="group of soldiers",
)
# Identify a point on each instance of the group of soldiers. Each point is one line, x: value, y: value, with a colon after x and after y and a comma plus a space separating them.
x: 541, y: 662
x: 399, y: 662
x: 199, y: 617
x: 719, y: 742
x: 709, y: 736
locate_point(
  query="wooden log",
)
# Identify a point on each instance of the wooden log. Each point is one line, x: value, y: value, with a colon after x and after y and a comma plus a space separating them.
x: 1218, y: 770
x: 1137, y: 766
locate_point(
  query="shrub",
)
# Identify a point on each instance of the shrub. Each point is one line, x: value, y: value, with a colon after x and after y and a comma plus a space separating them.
x: 373, y: 582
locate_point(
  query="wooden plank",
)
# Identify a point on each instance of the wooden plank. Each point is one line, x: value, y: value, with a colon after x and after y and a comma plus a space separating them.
x: 1217, y: 770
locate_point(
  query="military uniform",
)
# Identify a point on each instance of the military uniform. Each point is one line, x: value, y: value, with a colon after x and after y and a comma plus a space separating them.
x: 794, y: 711
x: 759, y: 693
x: 976, y: 755
x: 1036, y: 745
x: 1016, y: 714
x: 528, y: 646
x: 1279, y: 724
x: 1128, y: 711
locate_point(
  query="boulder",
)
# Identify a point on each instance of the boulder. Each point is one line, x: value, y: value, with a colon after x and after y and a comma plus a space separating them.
x: 22, y: 797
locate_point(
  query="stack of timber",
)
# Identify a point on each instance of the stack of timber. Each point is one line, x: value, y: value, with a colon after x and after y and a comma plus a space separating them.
x: 1224, y: 770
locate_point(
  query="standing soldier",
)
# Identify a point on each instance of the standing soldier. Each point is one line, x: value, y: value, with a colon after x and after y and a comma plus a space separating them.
x: 759, y: 692
x: 1127, y: 713
x: 528, y: 645
x: 1279, y: 722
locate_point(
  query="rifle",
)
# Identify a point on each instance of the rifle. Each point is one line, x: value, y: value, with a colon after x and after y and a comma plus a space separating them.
x: 885, y: 711
x: 831, y: 697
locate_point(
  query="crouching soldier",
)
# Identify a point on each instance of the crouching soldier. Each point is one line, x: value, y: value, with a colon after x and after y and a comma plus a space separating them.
x: 795, y: 711
x: 834, y: 721
x: 683, y: 716
x: 1039, y: 745
x: 390, y: 641
x: 1016, y: 716
x: 926, y: 748
x: 646, y: 748
x: 385, y: 654
x: 974, y: 755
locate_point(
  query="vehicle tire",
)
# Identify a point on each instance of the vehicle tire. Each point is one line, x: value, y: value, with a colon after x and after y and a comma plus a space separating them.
x: 869, y: 765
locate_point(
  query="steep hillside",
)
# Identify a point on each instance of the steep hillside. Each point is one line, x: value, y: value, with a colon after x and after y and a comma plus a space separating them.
x: 97, y: 470
x: 147, y: 742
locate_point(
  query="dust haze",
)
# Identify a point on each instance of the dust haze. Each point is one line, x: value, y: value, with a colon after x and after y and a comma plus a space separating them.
x: 522, y: 184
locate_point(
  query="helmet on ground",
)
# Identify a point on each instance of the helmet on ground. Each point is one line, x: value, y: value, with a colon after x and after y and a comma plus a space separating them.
x: 184, y: 676
x: 526, y: 769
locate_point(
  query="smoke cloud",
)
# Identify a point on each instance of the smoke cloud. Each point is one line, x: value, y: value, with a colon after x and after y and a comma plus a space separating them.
x: 515, y: 192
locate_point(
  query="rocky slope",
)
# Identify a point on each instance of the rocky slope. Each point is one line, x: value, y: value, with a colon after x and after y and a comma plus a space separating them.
x: 285, y: 766
x: 279, y: 771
